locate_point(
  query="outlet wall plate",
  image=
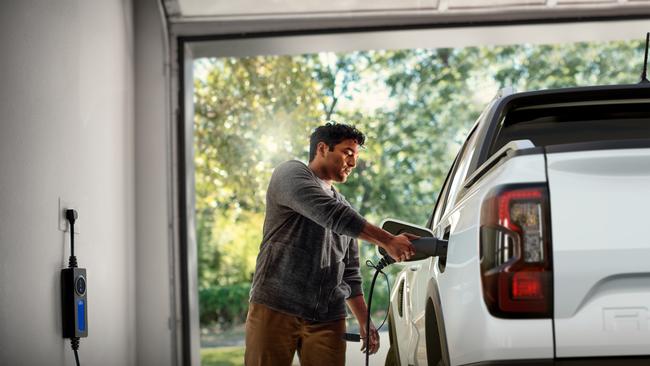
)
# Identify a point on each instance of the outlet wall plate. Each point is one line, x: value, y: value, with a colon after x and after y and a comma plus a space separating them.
x: 63, y: 223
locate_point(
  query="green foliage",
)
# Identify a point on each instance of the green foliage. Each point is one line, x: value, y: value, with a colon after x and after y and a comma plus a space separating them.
x: 530, y: 67
x: 224, y: 305
x: 415, y: 106
x: 412, y: 143
x: 248, y: 113
x: 228, y: 257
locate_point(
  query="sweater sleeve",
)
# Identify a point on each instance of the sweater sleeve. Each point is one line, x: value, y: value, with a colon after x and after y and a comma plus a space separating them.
x: 293, y: 185
x: 352, y: 273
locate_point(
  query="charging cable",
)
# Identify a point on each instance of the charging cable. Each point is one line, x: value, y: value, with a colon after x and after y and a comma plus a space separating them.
x: 71, y: 215
x: 351, y: 337
x: 385, y: 261
x: 424, y: 248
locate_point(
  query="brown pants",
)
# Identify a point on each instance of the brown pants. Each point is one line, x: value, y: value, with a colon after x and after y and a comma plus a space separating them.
x: 272, y: 339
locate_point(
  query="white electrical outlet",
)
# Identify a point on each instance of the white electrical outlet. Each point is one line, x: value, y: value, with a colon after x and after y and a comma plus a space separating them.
x: 63, y: 223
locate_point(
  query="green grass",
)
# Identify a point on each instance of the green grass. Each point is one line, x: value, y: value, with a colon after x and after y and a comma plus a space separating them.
x: 222, y: 356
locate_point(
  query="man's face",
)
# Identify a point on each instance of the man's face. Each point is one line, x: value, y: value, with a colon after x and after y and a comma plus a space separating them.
x: 340, y: 162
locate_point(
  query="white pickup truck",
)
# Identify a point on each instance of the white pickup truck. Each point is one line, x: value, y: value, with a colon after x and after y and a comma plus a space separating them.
x: 546, y: 212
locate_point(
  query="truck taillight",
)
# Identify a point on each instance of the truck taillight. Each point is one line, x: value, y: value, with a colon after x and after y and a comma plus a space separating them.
x: 515, y: 250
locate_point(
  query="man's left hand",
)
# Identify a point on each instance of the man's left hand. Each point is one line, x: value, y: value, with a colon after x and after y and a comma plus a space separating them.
x: 374, y: 339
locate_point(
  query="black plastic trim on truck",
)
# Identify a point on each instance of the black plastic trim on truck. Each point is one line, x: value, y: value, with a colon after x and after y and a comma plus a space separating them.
x: 568, y: 95
x: 582, y: 361
x: 442, y: 196
x: 599, y: 145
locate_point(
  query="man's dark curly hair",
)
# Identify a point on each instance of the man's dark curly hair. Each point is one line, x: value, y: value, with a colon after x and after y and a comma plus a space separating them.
x: 333, y: 134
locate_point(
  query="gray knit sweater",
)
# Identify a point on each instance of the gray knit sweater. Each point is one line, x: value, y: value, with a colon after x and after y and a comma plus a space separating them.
x: 309, y: 258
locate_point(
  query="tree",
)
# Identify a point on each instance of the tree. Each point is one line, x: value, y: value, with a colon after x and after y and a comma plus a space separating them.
x: 250, y: 114
x: 415, y: 106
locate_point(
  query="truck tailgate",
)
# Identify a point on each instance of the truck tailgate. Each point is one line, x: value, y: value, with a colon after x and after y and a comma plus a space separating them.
x: 600, y: 219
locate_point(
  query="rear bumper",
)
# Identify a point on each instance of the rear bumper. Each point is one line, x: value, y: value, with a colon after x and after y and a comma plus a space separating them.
x: 586, y: 361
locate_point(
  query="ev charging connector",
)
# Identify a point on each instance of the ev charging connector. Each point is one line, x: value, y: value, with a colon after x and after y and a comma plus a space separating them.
x: 424, y: 248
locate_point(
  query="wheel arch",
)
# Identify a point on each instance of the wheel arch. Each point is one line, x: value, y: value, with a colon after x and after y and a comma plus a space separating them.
x: 435, y: 334
x: 392, y: 358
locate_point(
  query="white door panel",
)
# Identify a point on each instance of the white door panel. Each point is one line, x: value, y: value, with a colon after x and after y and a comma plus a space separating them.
x: 422, y: 276
x: 412, y: 305
x: 402, y: 331
x: 408, y: 311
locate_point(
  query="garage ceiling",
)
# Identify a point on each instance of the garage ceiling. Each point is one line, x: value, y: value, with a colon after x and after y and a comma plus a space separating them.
x: 216, y: 17
x: 439, y: 10
x: 217, y: 28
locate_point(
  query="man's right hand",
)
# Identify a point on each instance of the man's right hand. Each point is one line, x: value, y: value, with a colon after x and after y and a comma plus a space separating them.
x: 400, y: 247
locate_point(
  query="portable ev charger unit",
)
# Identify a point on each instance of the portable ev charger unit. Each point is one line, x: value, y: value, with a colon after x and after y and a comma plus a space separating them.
x: 74, y: 298
x: 73, y: 302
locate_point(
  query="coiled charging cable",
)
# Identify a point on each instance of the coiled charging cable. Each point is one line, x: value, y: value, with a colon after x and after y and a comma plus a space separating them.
x: 378, y: 269
x: 385, y: 261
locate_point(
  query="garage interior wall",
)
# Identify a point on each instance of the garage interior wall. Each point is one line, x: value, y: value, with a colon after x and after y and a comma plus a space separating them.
x: 70, y: 130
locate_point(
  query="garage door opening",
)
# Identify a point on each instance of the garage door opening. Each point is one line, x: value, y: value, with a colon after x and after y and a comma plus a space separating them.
x: 255, y: 109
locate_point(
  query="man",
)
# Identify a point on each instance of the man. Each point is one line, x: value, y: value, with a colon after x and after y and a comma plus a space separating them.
x: 308, y: 265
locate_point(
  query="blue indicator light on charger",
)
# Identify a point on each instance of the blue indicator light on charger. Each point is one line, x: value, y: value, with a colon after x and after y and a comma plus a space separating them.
x: 81, y: 315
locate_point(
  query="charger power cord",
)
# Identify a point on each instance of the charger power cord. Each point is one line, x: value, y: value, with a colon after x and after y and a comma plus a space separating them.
x: 71, y: 215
